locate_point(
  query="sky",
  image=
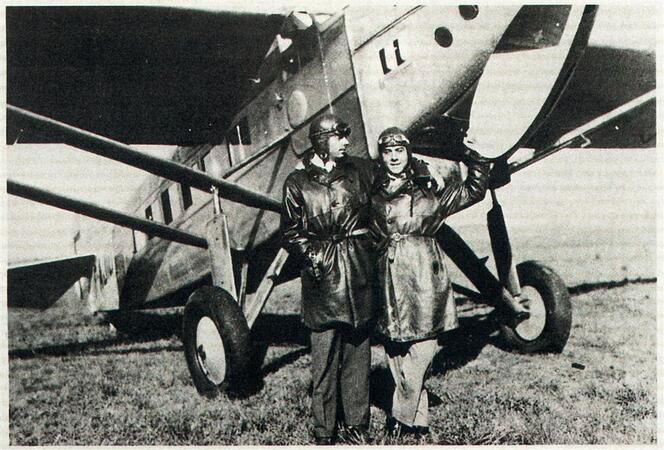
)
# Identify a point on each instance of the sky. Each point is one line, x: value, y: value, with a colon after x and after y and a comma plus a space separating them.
x: 37, y: 231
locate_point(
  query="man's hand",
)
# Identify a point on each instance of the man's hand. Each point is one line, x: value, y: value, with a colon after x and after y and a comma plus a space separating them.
x: 499, y: 175
x: 313, y: 261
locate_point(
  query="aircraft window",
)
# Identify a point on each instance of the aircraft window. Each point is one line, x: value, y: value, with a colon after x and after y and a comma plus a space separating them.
x: 166, y: 206
x: 443, y: 37
x: 244, y: 131
x: 201, y: 164
x: 237, y: 138
x: 240, y: 133
x: 149, y: 216
x: 234, y: 136
x: 177, y: 205
x: 469, y: 12
x: 187, y: 200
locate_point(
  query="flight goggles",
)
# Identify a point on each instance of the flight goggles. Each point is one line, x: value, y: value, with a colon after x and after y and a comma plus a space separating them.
x: 341, y: 129
x: 393, y: 140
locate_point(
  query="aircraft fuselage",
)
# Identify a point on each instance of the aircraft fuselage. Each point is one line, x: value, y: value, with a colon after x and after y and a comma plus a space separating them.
x: 413, y: 67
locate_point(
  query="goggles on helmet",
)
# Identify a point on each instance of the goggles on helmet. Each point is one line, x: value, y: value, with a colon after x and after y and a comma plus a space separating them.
x: 341, y: 129
x: 397, y: 139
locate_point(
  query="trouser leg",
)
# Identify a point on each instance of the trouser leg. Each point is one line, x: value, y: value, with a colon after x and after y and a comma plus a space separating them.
x: 422, y: 413
x: 355, y: 366
x: 325, y: 348
x: 410, y: 403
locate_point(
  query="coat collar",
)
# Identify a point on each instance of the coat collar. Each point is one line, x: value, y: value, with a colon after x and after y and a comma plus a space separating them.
x: 327, y: 166
x: 320, y: 175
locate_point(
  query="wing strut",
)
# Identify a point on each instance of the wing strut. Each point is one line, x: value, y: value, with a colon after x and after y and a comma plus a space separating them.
x: 573, y: 136
x: 107, y: 215
x: 171, y: 170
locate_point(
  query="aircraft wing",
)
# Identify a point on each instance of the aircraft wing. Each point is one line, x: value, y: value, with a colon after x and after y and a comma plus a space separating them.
x: 605, y: 79
x: 39, y: 285
x: 125, y: 64
x: 138, y: 75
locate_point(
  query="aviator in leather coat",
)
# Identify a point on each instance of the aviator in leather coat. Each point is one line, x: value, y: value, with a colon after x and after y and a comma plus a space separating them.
x: 325, y: 222
x: 415, y: 290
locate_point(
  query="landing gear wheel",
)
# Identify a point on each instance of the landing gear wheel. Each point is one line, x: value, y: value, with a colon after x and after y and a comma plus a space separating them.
x: 216, y: 339
x: 550, y: 321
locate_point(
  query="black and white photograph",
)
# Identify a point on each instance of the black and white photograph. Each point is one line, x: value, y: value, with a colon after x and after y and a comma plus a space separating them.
x: 386, y: 223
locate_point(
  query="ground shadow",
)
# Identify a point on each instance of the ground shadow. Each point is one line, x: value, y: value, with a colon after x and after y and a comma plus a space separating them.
x: 148, y: 326
x: 96, y: 348
x: 464, y: 344
x: 589, y: 287
x: 280, y: 329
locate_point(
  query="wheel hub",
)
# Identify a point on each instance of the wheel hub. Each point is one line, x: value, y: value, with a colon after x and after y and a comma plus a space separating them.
x: 210, y: 350
x: 531, y: 328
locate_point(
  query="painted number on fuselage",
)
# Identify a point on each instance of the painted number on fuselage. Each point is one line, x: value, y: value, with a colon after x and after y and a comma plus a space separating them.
x: 398, y: 59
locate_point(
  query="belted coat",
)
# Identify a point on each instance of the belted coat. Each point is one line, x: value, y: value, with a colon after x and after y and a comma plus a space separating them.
x: 415, y: 292
x: 325, y: 222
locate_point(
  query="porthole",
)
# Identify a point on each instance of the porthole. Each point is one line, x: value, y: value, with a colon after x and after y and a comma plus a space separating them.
x: 443, y: 37
x: 469, y: 12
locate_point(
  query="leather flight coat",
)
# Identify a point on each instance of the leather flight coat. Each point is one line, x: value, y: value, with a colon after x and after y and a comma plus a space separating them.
x: 415, y: 293
x: 325, y: 222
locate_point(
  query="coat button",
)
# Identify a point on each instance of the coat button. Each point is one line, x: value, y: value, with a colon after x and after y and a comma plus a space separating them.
x: 390, y: 220
x: 334, y: 203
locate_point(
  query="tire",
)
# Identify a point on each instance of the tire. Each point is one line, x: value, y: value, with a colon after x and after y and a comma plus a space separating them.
x: 217, y: 342
x: 549, y: 325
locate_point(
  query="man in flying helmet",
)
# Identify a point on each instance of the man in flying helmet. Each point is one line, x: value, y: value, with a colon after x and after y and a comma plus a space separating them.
x: 324, y: 221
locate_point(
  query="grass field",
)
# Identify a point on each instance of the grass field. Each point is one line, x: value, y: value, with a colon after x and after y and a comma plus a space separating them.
x: 72, y: 381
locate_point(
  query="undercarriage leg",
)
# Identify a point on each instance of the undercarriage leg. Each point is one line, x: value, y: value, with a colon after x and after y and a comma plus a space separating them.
x: 502, y: 254
x: 470, y: 264
x: 502, y: 249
